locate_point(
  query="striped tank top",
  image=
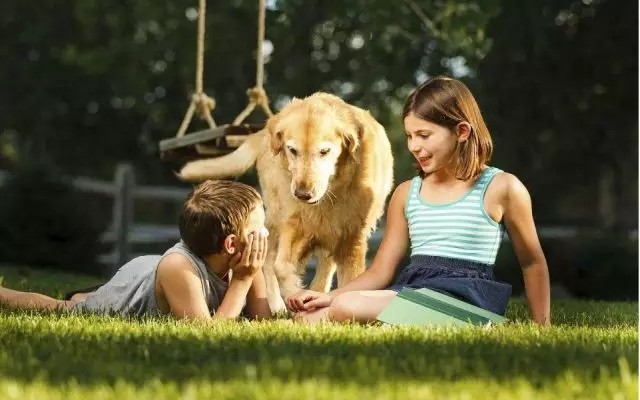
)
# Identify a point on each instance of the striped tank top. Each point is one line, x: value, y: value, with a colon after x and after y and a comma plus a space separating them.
x: 461, y: 229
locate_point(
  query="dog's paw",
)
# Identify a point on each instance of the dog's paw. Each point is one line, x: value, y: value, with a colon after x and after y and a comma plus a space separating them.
x: 278, y: 306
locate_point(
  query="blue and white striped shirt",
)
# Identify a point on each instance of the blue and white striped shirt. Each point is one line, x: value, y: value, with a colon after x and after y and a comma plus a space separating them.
x: 461, y: 229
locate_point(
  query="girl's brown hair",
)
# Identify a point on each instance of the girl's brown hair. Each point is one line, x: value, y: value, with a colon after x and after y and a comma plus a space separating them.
x: 214, y: 210
x: 448, y: 102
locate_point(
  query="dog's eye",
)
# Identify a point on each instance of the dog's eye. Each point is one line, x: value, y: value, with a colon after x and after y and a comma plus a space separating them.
x: 293, y: 151
x: 325, y: 151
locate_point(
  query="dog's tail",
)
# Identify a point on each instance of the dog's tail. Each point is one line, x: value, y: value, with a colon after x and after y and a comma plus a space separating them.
x: 227, y: 166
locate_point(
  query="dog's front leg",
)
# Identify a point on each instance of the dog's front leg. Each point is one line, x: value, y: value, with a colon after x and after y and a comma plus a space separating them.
x: 323, y: 277
x: 350, y: 255
x: 293, y: 249
x: 276, y: 304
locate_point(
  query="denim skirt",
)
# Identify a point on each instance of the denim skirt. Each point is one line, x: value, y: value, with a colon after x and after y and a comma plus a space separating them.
x: 465, y: 280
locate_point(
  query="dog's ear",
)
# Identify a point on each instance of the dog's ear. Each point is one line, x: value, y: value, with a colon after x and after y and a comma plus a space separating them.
x: 352, y: 133
x: 275, y: 142
x: 351, y: 138
x: 275, y: 136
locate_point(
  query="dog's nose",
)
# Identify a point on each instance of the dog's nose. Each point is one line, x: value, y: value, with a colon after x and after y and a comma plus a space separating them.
x: 302, y: 194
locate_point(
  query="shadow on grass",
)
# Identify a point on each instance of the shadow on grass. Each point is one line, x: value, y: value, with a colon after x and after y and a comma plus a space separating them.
x: 136, y: 354
x: 581, y: 313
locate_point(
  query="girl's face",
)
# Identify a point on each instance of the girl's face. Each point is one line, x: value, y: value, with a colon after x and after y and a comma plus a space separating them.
x: 432, y: 145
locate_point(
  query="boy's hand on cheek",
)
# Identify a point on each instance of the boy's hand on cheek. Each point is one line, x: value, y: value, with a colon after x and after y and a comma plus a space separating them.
x: 246, y: 263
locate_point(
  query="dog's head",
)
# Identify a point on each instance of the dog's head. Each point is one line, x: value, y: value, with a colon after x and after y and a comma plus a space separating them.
x: 316, y: 136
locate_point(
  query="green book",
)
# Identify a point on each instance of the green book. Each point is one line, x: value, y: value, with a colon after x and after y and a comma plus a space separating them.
x: 428, y: 307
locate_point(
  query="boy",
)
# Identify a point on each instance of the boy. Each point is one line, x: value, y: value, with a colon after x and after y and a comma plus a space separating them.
x: 222, y: 231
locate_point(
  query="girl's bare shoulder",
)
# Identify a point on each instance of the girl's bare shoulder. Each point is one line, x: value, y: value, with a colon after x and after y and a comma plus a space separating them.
x: 506, y: 185
x: 402, y: 190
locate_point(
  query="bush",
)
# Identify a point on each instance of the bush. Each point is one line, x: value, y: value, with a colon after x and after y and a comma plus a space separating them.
x: 607, y: 269
x: 44, y: 222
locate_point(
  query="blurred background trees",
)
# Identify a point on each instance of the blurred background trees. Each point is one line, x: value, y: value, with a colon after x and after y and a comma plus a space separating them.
x: 88, y: 84
x: 560, y: 94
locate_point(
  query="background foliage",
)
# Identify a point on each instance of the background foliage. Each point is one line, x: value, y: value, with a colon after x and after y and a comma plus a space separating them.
x: 89, y: 84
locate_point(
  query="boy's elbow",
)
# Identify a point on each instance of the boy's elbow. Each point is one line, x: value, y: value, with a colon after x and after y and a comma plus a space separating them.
x: 262, y: 316
x: 261, y: 311
x: 222, y: 316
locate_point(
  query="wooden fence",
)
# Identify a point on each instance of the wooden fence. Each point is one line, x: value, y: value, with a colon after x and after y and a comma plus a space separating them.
x: 125, y: 232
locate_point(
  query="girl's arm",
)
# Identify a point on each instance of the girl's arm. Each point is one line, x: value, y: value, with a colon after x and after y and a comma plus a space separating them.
x: 518, y: 220
x: 382, y: 270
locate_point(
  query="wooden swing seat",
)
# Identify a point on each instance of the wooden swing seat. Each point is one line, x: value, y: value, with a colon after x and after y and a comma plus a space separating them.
x: 213, y: 142
x: 218, y: 139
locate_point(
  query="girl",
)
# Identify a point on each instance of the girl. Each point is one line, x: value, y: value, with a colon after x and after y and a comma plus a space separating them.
x: 452, y: 215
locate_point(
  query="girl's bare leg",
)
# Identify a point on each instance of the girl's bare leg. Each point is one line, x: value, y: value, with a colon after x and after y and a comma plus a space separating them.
x: 312, y: 317
x: 28, y: 300
x: 360, y: 306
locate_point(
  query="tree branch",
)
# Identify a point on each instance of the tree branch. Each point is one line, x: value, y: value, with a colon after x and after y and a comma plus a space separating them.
x: 426, y: 21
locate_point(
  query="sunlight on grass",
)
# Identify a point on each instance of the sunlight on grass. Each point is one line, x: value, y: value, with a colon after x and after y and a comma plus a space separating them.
x: 589, y: 352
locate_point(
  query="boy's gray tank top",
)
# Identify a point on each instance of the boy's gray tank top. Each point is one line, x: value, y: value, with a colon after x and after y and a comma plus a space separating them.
x: 131, y: 291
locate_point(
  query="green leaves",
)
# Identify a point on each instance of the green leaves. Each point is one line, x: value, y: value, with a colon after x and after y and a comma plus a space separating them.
x: 555, y: 91
x: 108, y: 81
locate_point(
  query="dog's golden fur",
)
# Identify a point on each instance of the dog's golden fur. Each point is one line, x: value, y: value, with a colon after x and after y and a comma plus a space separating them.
x: 325, y: 169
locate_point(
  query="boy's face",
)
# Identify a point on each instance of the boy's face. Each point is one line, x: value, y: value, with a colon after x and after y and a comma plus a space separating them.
x: 255, y: 224
x: 234, y: 243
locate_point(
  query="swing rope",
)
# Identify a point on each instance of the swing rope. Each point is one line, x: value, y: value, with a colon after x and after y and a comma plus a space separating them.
x: 201, y: 103
x: 257, y: 95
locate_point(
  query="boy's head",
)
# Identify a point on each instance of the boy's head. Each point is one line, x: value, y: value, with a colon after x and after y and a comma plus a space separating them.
x: 216, y: 209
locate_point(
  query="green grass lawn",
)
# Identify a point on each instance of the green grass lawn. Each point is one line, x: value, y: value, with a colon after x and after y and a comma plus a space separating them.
x: 591, y: 352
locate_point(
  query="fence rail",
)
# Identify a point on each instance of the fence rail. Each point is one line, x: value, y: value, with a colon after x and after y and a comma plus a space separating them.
x: 124, y: 232
x: 140, y: 192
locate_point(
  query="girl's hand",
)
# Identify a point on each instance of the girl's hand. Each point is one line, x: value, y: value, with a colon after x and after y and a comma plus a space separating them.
x: 306, y: 300
x: 247, y: 263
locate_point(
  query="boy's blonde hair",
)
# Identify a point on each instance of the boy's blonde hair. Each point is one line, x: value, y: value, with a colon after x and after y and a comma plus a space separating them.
x: 448, y: 102
x: 214, y: 210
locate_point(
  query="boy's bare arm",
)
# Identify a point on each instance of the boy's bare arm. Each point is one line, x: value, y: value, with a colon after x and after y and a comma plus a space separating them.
x: 257, y: 304
x: 182, y: 288
x: 234, y: 299
x: 248, y: 266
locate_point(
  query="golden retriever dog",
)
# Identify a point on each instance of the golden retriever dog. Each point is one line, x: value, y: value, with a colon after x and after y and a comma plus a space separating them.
x: 325, y: 168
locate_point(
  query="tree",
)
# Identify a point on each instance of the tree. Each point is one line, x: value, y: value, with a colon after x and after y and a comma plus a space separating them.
x: 93, y: 83
x: 559, y: 91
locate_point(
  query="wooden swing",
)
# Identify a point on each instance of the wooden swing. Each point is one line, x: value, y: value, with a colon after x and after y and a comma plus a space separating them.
x: 216, y: 140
